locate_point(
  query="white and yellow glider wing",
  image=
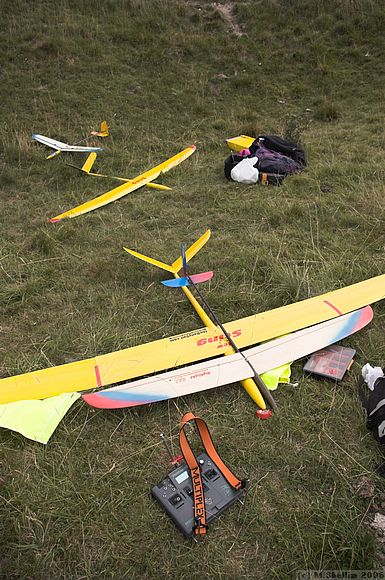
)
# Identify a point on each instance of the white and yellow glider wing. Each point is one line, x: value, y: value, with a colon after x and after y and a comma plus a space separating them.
x: 127, y: 187
x: 167, y: 353
x: 59, y: 146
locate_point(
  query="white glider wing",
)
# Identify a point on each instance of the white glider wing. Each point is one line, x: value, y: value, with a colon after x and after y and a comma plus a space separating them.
x: 60, y: 146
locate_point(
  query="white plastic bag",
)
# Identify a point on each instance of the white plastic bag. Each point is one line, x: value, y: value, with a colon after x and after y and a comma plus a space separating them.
x: 371, y: 374
x: 245, y: 172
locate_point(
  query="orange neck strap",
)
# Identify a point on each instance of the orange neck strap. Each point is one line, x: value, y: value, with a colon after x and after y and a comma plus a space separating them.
x: 200, y: 527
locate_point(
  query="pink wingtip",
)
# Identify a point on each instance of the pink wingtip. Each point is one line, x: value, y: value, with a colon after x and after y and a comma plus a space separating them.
x: 368, y: 314
x: 203, y: 277
x: 99, y: 402
x: 94, y: 400
x: 53, y: 220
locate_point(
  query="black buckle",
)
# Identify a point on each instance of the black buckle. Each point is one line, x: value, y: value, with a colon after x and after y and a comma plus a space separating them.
x: 197, y: 526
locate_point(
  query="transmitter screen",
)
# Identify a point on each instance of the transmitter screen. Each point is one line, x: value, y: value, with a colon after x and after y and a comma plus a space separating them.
x: 181, y: 477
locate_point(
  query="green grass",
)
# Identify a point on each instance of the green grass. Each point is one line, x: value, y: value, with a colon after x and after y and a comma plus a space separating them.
x: 165, y: 75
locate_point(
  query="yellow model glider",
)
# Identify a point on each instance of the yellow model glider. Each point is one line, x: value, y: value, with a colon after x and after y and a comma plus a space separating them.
x: 126, y: 187
x: 189, y: 347
x: 248, y: 383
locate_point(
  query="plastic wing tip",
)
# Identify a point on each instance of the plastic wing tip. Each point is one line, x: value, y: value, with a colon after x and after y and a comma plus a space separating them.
x: 176, y: 282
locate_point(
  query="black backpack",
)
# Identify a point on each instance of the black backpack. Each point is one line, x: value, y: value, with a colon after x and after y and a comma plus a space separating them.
x: 374, y: 405
x: 277, y: 158
x: 276, y: 143
x: 231, y: 162
x: 274, y: 162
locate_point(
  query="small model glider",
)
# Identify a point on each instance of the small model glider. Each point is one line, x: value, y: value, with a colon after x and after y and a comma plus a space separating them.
x: 103, y: 130
x: 211, y: 322
x: 60, y: 147
x: 126, y: 187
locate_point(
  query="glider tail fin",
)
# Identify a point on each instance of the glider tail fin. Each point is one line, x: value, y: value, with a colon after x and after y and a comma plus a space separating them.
x: 87, y: 166
x: 191, y: 251
x: 184, y: 260
x: 51, y: 155
x: 103, y: 130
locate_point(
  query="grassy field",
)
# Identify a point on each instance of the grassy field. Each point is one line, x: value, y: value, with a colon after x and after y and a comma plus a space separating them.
x: 166, y: 74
